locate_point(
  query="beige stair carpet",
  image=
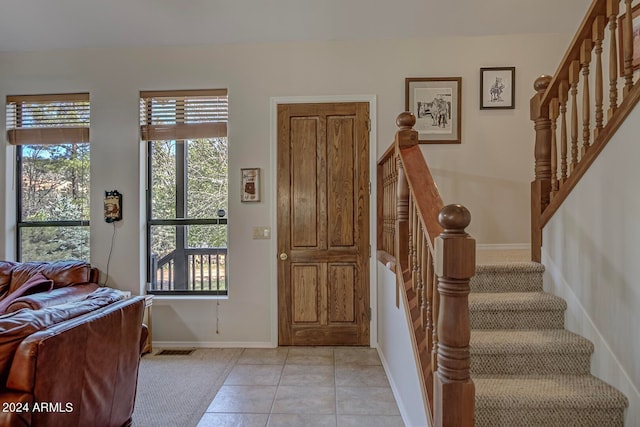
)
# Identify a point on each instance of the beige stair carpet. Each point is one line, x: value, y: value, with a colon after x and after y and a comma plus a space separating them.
x: 528, y: 370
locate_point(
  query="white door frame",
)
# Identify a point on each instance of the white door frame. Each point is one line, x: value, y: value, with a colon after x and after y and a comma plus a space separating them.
x: 273, y: 253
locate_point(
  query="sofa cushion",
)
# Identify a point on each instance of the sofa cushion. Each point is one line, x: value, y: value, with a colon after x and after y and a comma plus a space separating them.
x: 6, y: 267
x: 36, y: 283
x: 63, y: 273
x: 14, y: 327
x: 52, y: 297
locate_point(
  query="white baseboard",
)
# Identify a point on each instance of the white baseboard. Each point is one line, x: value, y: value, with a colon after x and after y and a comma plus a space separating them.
x: 503, y: 246
x: 211, y: 344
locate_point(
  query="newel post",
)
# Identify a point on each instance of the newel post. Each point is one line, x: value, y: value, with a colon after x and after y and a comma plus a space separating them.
x: 541, y: 185
x: 405, y: 137
x: 455, y: 262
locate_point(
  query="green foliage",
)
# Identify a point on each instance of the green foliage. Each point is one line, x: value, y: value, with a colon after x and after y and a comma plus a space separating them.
x: 55, y: 187
x: 203, y: 183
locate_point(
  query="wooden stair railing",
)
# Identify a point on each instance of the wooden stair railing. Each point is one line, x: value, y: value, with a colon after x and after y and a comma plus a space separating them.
x: 433, y: 257
x: 574, y: 96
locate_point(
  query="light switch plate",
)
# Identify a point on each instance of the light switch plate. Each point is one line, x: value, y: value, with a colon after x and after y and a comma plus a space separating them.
x: 261, y: 232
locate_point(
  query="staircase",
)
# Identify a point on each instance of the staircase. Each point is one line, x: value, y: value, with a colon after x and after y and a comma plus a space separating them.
x: 527, y: 369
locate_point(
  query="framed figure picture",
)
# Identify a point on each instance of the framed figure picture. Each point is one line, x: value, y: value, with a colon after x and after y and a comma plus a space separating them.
x: 437, y: 104
x: 635, y: 37
x: 250, y: 185
x: 497, y: 88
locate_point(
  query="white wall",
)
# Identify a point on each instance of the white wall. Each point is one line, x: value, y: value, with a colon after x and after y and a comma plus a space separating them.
x: 590, y: 249
x: 489, y: 172
x: 395, y: 350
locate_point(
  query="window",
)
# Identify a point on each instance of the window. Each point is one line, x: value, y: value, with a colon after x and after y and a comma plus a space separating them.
x: 51, y: 133
x: 186, y: 134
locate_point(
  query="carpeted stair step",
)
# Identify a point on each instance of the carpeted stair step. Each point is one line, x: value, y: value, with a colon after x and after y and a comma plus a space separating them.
x: 537, y: 352
x: 516, y: 310
x: 508, y: 277
x: 547, y: 401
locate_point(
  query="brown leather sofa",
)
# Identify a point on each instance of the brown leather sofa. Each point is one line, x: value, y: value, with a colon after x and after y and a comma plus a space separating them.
x: 69, y: 363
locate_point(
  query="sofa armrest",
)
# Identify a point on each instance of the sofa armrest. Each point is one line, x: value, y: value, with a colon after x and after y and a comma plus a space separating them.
x: 54, y: 297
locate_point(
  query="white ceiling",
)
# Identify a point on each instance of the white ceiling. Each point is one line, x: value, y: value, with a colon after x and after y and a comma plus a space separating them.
x: 27, y: 25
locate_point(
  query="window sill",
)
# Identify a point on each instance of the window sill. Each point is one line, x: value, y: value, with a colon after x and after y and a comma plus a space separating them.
x: 188, y: 297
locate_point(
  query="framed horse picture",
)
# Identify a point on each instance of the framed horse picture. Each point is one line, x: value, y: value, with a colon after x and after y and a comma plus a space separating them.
x: 497, y: 88
x: 437, y: 104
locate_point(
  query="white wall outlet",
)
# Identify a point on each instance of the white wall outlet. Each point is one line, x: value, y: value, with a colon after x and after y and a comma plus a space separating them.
x: 261, y: 232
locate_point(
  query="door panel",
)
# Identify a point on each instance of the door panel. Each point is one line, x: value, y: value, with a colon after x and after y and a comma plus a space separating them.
x: 305, y: 281
x: 341, y: 169
x: 341, y: 293
x: 304, y: 227
x: 323, y: 224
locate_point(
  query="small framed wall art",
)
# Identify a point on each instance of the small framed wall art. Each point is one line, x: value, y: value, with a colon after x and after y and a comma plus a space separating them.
x: 437, y: 104
x: 497, y: 88
x: 250, y: 185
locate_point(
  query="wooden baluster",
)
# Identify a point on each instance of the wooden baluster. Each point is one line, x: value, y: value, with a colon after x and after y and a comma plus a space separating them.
x: 554, y: 112
x: 424, y: 270
x: 394, y: 196
x: 585, y: 61
x: 402, y: 220
x: 598, y: 37
x: 612, y: 12
x: 419, y: 264
x: 563, y: 97
x: 427, y: 294
x: 627, y: 44
x: 454, y: 391
x: 428, y: 289
x: 541, y: 186
x: 435, y: 312
x: 574, y: 73
x: 412, y: 248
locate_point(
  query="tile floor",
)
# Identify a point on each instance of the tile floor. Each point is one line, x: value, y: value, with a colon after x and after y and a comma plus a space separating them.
x: 305, y: 386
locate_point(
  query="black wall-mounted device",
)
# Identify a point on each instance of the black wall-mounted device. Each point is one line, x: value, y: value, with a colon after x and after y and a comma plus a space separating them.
x: 112, y: 206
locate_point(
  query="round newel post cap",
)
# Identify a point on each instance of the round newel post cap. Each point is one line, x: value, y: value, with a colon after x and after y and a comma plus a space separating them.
x: 454, y: 218
x: 542, y: 83
x: 406, y: 120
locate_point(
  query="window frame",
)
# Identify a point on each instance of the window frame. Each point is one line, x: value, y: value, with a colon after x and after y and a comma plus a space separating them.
x: 208, y: 119
x: 39, y: 130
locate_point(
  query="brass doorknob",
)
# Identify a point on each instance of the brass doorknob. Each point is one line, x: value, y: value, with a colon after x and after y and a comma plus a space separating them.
x: 284, y: 256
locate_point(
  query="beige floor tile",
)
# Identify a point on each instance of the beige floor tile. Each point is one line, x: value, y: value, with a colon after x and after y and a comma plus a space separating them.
x: 360, y: 376
x: 301, y: 420
x: 356, y: 356
x: 370, y: 421
x: 305, y: 400
x: 237, y: 399
x: 263, y: 356
x: 308, y: 375
x: 254, y: 375
x: 233, y: 420
x: 310, y: 356
x: 366, y: 401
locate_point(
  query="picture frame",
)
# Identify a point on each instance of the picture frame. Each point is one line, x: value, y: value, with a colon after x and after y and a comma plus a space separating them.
x: 436, y: 103
x: 250, y: 185
x: 497, y: 88
x: 635, y: 23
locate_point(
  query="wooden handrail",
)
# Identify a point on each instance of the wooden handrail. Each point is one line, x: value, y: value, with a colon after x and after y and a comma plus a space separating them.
x: 565, y: 150
x: 434, y: 259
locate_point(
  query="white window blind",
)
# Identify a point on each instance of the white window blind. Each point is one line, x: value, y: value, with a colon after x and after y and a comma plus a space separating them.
x: 180, y: 115
x: 48, y: 119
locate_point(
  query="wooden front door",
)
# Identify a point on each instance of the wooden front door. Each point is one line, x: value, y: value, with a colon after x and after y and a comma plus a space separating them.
x: 323, y: 224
